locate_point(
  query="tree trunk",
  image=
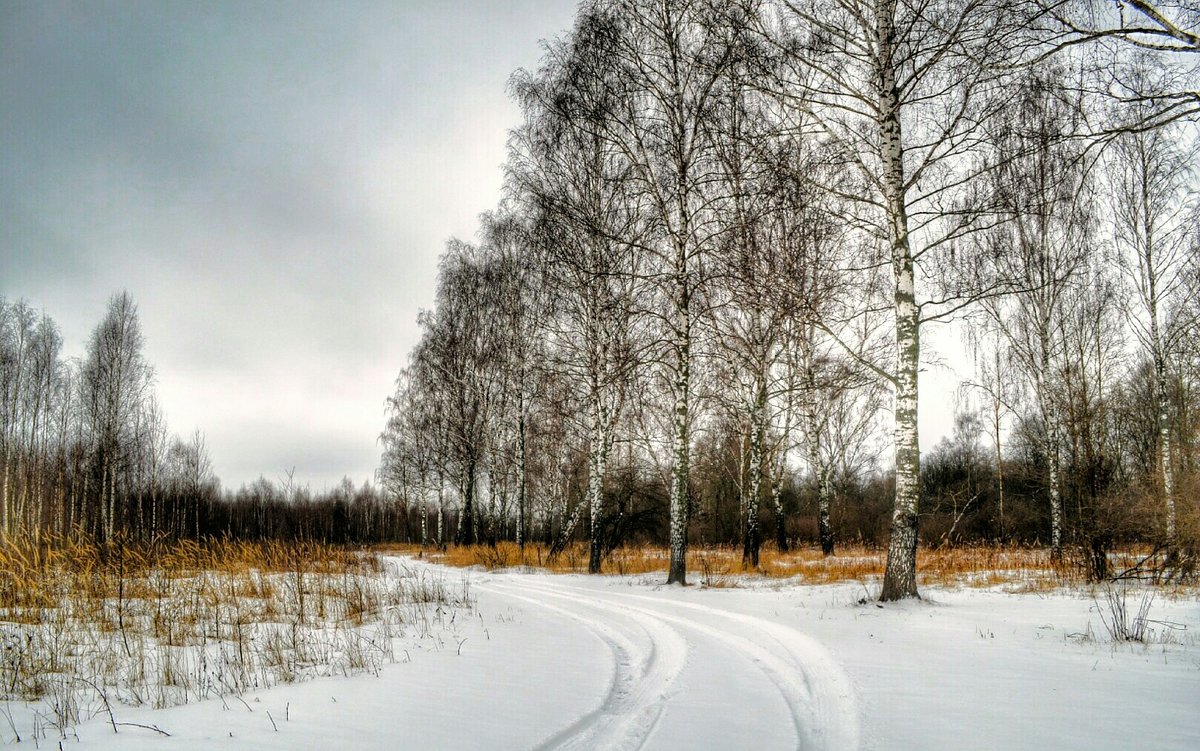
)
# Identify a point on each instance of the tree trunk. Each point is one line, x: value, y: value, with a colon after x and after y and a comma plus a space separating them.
x: 597, y: 465
x: 752, y: 541
x: 824, y: 506
x: 781, y: 540
x: 4, y: 494
x: 441, y: 511
x: 996, y: 407
x: 681, y: 430
x: 1050, y: 436
x: 424, y: 524
x: 900, y: 574
x: 467, y: 524
x: 521, y: 479
x: 1055, y: 493
x: 1162, y: 394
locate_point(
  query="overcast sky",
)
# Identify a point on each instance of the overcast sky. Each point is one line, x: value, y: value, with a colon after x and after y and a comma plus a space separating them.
x: 273, y: 185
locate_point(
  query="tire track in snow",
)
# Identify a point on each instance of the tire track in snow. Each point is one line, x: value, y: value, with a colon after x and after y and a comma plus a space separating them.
x: 833, y: 707
x: 642, y: 677
x: 814, y: 686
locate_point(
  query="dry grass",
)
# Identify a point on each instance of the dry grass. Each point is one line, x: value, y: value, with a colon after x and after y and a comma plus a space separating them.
x: 85, y: 625
x: 1020, y: 569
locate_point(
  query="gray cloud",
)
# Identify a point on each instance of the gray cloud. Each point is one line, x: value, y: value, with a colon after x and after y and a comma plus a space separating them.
x: 272, y: 183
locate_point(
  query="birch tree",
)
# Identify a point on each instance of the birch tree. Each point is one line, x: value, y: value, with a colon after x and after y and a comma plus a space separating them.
x: 899, y: 91
x: 576, y: 185
x: 672, y: 58
x: 1042, y: 242
x: 1148, y: 177
x: 1093, y: 361
x: 997, y: 379
x: 750, y: 308
x: 116, y: 380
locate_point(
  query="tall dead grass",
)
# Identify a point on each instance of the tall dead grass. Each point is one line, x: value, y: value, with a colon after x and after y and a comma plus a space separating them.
x: 84, y: 625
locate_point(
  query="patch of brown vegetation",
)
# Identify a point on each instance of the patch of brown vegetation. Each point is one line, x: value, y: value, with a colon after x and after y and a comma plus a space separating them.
x: 1015, y: 568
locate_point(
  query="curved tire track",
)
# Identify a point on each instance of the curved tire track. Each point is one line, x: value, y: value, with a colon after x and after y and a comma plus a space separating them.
x: 642, y: 676
x: 815, y: 688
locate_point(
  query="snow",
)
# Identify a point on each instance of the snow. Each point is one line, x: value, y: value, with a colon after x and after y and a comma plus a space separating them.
x: 621, y: 662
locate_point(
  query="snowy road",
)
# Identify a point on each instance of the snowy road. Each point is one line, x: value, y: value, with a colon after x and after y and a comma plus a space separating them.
x: 667, y: 655
x: 577, y: 662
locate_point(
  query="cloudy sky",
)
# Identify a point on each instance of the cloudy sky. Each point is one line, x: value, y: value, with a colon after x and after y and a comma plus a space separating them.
x: 273, y: 185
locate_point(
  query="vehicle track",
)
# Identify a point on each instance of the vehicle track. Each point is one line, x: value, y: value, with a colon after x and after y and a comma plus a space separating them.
x: 815, y: 689
x: 647, y: 655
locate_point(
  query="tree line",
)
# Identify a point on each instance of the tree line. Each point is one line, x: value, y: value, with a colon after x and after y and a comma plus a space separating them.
x: 696, y: 315
x: 85, y: 450
x: 699, y: 306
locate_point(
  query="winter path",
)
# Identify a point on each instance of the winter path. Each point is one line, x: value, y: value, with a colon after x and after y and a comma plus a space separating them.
x: 790, y: 681
x: 610, y: 662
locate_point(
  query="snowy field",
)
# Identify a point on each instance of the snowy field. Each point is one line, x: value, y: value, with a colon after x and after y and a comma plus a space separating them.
x: 619, y: 662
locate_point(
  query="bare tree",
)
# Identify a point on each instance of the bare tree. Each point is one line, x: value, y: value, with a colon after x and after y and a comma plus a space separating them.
x: 997, y: 378
x: 671, y: 59
x: 576, y: 186
x: 1148, y: 178
x: 899, y: 90
x: 1113, y: 37
x: 1043, y: 237
x: 1093, y: 360
x: 116, y: 381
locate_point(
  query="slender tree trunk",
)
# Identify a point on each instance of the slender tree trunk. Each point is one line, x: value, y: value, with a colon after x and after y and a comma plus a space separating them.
x: 597, y: 467
x: 781, y: 540
x: 824, y: 491
x: 1163, y: 397
x: 4, y: 494
x: 104, y: 502
x: 900, y: 574
x: 18, y: 516
x: 467, y: 532
x: 824, y: 508
x: 752, y: 541
x: 996, y: 416
x: 18, y: 510
x: 1050, y: 422
x: 743, y: 451
x: 1055, y: 492
x: 1164, y: 449
x: 441, y: 526
x: 522, y: 487
x: 424, y: 524
x: 681, y: 427
x: 822, y: 472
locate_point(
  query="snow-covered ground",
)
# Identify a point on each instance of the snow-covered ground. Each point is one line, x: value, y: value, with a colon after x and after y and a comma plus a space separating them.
x: 619, y: 662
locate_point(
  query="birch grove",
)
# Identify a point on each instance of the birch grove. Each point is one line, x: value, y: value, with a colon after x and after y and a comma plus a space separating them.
x: 746, y: 214
x: 733, y: 241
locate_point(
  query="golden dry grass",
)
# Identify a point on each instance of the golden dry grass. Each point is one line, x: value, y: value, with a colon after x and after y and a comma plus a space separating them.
x: 37, y: 573
x: 83, y: 624
x: 1010, y: 567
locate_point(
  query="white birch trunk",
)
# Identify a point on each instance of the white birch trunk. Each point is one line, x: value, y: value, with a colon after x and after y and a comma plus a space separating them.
x: 681, y: 426
x: 900, y: 574
x: 597, y: 465
x: 1050, y: 436
x: 1161, y: 392
x: 753, y: 538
